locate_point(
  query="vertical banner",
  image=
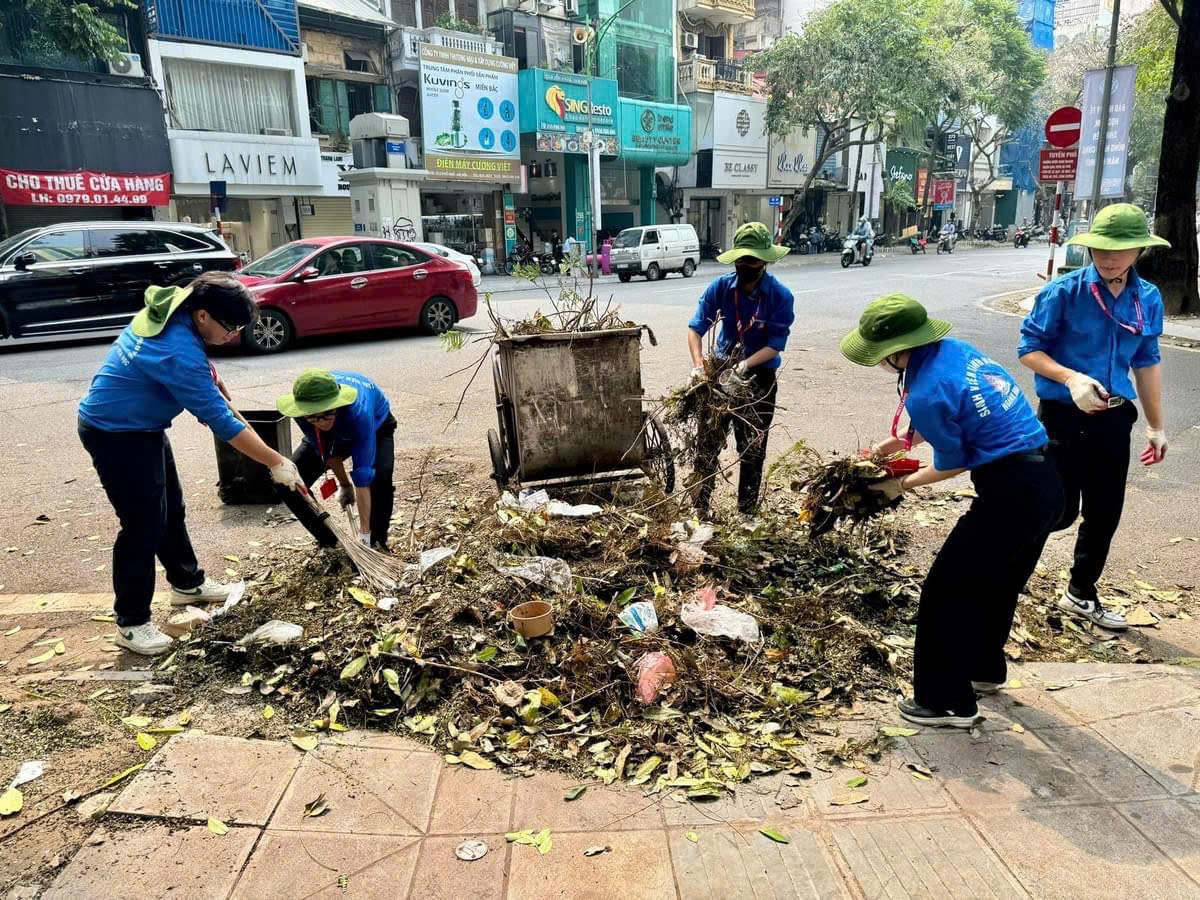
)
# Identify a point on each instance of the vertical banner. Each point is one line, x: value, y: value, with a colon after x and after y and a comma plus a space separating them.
x: 1116, y: 149
x: 510, y: 225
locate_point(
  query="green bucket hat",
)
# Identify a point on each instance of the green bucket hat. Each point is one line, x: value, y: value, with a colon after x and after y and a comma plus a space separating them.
x: 161, y: 303
x: 888, y: 325
x: 314, y: 392
x: 753, y: 239
x: 1121, y: 226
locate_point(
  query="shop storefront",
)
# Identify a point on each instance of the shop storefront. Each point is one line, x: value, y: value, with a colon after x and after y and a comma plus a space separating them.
x: 652, y: 134
x: 262, y: 176
x: 74, y: 149
x: 562, y: 116
x: 328, y: 213
x: 789, y: 161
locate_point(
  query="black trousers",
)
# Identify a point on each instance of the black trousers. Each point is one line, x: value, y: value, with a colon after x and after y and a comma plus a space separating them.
x: 137, y: 470
x: 970, y: 594
x: 751, y: 425
x: 1092, y: 454
x: 383, y: 492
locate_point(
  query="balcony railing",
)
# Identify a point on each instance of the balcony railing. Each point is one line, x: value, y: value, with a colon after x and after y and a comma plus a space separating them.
x: 725, y: 12
x: 406, y: 45
x: 701, y: 74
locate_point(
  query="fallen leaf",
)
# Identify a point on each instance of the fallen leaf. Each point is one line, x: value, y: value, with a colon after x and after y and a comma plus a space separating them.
x: 849, y: 799
x: 920, y: 776
x: 304, y: 740
x: 166, y: 730
x: 11, y: 802
x: 366, y: 598
x: 1014, y: 683
x: 1141, y: 617
x: 40, y: 658
x: 5, y: 707
x: 145, y: 741
x: 1018, y: 728
x: 897, y: 731
x: 475, y: 761
x: 136, y: 721
x: 776, y: 836
x: 353, y: 668
x: 317, y: 807
x: 542, y: 841
x: 116, y: 779
x: 575, y: 793
x: 918, y: 769
x: 268, y: 712
x: 596, y: 851
x: 857, y: 781
x: 60, y: 648
x: 185, y: 718
x: 216, y: 826
x: 12, y: 631
x: 487, y: 654
x: 693, y: 837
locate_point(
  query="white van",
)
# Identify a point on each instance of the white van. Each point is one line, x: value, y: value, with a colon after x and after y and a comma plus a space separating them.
x: 655, y: 250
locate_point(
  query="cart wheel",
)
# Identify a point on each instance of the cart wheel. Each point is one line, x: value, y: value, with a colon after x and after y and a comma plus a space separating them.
x: 660, y: 462
x: 499, y: 467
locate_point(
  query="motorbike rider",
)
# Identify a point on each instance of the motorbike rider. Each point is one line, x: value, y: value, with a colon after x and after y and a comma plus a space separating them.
x: 866, y: 235
x: 949, y: 232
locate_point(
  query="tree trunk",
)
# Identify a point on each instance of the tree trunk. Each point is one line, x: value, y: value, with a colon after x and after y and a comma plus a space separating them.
x: 1174, y: 270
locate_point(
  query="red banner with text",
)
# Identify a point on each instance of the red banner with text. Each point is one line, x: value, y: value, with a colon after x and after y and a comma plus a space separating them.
x: 18, y: 188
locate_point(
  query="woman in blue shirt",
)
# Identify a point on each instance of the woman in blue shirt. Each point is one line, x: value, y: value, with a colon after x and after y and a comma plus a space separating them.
x: 344, y: 415
x: 156, y: 369
x: 977, y: 420
x: 1085, y: 333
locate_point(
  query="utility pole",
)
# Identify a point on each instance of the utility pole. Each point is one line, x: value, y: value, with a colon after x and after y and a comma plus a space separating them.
x: 1101, y: 147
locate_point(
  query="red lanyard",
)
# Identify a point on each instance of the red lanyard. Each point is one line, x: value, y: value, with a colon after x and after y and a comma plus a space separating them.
x: 1137, y: 308
x: 320, y: 447
x: 737, y: 311
x: 907, y: 440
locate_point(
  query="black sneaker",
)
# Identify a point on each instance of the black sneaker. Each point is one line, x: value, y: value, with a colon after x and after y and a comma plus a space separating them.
x: 911, y: 711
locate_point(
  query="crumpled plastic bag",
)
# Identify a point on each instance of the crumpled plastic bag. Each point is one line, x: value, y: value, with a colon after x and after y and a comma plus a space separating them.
x: 689, y: 547
x: 236, y: 593
x: 654, y: 672
x: 274, y: 632
x: 641, y: 616
x: 720, y: 621
x: 430, y: 558
x: 544, y: 570
x: 535, y: 501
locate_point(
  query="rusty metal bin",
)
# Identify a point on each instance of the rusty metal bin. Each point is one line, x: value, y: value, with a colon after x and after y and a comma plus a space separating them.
x: 569, y: 405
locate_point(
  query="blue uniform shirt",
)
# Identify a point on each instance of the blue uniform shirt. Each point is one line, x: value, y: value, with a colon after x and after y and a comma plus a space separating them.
x: 1068, y: 324
x: 766, y: 315
x: 353, y: 432
x: 144, y: 383
x: 967, y: 406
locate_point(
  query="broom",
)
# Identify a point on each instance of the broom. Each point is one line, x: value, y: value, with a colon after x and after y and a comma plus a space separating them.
x: 380, y: 570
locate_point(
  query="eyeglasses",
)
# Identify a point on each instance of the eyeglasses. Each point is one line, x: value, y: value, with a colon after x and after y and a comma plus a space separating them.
x: 320, y: 417
x: 229, y: 329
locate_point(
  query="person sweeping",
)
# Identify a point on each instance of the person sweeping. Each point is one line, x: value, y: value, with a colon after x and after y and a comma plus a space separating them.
x: 156, y: 369
x: 344, y: 416
x: 756, y: 314
x: 1087, y: 331
x: 977, y: 420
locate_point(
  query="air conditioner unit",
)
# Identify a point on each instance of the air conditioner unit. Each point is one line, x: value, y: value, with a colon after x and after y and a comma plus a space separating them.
x: 277, y: 132
x: 691, y: 40
x: 127, y: 64
x: 572, y: 7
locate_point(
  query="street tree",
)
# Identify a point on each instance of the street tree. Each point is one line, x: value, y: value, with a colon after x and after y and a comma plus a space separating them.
x: 1174, y: 270
x: 855, y: 65
x: 49, y: 28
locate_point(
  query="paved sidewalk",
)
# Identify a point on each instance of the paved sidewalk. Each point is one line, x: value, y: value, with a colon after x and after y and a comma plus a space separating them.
x: 1082, y: 781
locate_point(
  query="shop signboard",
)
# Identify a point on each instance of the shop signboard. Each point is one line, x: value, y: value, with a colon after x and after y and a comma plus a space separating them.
x: 657, y: 134
x: 469, y: 115
x: 84, y: 188
x: 790, y: 158
x: 731, y: 169
x: 561, y: 107
x: 740, y: 142
x: 250, y: 164
x: 942, y: 193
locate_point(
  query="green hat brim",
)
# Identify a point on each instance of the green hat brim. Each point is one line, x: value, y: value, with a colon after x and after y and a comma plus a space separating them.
x: 1097, y: 241
x: 298, y: 409
x: 144, y: 325
x: 771, y: 254
x: 863, y: 352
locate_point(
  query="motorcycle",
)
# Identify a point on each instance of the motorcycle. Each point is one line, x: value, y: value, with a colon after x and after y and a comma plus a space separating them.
x: 857, y: 249
x: 523, y: 256
x: 833, y: 241
x: 946, y: 243
x: 1020, y: 237
x: 918, y: 242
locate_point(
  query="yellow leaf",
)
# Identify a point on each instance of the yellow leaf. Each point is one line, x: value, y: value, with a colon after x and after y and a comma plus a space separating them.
x: 136, y: 721
x: 40, y: 658
x: 12, y: 631
x: 268, y: 711
x: 185, y: 718
x: 693, y: 837
x: 11, y: 802
x: 475, y: 761
x: 116, y: 779
x: 145, y: 741
x: 1141, y: 617
x: 1014, y: 683
x: 166, y: 730
x: 304, y: 740
x: 354, y: 667
x: 850, y: 798
x: 366, y: 598
x: 60, y: 648
x: 216, y: 826
x: 1019, y: 729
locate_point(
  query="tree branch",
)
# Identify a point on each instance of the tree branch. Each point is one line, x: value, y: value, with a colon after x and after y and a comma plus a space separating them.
x: 1172, y: 12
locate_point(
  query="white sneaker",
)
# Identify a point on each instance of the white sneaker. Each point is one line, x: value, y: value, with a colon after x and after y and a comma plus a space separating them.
x: 986, y: 687
x: 209, y: 592
x: 144, y: 639
x: 1092, y: 611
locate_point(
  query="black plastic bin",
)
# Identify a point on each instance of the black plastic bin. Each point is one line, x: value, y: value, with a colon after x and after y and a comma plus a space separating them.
x: 240, y: 480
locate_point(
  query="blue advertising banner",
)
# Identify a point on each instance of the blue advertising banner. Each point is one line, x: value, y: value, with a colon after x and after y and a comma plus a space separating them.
x: 657, y: 134
x: 1116, y: 147
x: 559, y: 107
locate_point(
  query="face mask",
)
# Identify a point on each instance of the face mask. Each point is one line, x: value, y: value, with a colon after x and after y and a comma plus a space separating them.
x: 747, y: 274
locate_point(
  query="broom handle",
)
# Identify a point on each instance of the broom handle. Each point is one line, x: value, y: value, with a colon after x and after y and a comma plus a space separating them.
x: 322, y: 513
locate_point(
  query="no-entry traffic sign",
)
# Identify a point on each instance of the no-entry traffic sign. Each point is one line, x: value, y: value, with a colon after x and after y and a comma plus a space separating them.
x: 1064, y: 125
x: 1058, y: 164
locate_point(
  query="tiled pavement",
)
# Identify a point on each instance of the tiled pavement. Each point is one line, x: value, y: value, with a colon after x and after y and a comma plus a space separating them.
x: 1092, y: 793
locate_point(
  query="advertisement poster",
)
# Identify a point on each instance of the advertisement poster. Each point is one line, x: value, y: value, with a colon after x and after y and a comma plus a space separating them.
x: 561, y: 107
x: 1116, y: 147
x: 83, y: 189
x: 469, y: 114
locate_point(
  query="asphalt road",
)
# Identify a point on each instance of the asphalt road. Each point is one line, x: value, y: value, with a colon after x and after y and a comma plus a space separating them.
x: 825, y: 401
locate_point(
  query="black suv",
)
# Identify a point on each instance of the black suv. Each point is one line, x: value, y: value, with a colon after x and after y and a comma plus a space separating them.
x: 89, y: 277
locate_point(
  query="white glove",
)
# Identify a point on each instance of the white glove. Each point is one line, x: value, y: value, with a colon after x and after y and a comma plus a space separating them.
x: 364, y: 539
x: 698, y: 373
x: 892, y: 488
x: 285, y: 472
x: 1089, y: 394
x: 345, y: 495
x: 741, y: 369
x: 1156, y: 446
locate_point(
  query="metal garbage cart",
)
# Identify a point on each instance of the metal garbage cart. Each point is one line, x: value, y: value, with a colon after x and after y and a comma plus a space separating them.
x: 569, y: 411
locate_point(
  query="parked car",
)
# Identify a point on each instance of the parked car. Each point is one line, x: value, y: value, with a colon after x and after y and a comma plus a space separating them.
x: 83, y: 278
x: 329, y: 285
x: 450, y: 253
x: 655, y: 250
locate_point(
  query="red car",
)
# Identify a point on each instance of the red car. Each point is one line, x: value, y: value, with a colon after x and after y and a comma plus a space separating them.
x: 328, y: 285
